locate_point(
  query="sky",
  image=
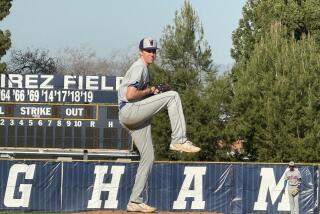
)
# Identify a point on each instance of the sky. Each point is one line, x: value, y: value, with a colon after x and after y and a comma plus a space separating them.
x: 106, y: 26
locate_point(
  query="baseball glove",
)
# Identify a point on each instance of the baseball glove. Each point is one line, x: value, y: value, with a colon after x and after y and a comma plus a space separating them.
x: 163, y: 87
x: 295, y: 192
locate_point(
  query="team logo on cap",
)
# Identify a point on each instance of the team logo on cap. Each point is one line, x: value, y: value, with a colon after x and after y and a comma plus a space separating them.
x: 151, y: 42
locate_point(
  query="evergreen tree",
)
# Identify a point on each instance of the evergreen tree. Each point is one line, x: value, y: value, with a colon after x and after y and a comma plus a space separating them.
x: 218, y: 94
x: 185, y: 63
x: 275, y: 108
x: 5, y: 42
x: 300, y: 17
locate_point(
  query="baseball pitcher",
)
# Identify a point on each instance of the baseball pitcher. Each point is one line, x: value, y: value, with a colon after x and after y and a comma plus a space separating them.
x: 138, y: 103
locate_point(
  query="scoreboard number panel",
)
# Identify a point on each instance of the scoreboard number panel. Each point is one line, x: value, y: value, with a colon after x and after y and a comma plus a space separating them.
x: 61, y: 113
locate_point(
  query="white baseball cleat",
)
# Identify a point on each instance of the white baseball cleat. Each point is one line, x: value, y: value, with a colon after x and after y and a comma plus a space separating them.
x: 184, y: 147
x: 140, y: 207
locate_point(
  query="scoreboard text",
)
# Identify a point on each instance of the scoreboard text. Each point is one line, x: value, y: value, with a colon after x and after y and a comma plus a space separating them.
x: 61, y: 112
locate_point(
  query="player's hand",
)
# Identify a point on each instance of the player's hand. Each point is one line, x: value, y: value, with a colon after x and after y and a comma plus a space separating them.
x: 153, y: 90
x: 163, y: 88
x: 295, y: 192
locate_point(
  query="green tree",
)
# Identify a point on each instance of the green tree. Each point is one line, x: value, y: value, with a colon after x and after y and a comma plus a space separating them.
x: 5, y: 42
x: 186, y: 62
x: 275, y: 107
x: 300, y: 17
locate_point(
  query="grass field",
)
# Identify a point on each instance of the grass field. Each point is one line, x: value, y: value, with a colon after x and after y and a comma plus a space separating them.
x: 103, y: 212
x: 30, y: 212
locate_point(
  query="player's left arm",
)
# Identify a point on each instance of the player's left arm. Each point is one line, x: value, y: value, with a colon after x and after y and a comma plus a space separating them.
x: 134, y: 93
x: 299, y: 180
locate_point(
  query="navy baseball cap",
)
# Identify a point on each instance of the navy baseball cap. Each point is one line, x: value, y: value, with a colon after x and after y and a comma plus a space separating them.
x: 148, y: 43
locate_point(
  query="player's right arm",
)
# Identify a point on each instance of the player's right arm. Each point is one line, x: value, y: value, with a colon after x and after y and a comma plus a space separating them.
x: 134, y: 93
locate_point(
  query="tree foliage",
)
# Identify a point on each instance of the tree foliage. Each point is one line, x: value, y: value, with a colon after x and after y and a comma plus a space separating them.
x: 185, y: 63
x: 275, y: 107
x: 300, y: 17
x: 32, y: 62
x: 84, y: 61
x: 5, y: 42
x: 184, y: 53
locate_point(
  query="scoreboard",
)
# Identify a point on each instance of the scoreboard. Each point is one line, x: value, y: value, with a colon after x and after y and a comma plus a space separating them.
x: 61, y: 114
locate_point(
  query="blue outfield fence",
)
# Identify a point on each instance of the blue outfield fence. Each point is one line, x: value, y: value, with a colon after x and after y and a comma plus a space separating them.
x: 33, y: 185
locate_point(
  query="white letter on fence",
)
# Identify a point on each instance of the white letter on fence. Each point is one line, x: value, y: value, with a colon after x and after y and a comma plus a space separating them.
x: 25, y: 189
x: 191, y: 173
x: 268, y: 182
x: 111, y: 187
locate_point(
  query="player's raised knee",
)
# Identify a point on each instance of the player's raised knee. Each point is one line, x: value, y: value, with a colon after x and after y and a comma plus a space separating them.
x: 173, y: 93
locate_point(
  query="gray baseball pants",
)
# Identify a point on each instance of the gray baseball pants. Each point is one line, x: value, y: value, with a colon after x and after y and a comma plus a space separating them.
x: 293, y: 200
x: 136, y: 117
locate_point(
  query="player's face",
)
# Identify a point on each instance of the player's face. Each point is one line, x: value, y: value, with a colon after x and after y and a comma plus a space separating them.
x: 148, y: 56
